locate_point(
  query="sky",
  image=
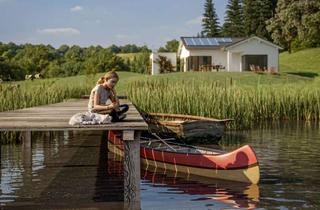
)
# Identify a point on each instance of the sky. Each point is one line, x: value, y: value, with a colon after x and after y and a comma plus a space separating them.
x: 101, y: 22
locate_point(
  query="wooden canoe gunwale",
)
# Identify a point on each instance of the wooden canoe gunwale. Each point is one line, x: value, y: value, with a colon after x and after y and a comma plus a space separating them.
x: 187, y: 117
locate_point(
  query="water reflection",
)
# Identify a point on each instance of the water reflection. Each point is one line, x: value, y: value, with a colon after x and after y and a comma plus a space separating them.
x: 74, y: 170
x: 60, y: 170
x: 200, y: 191
x: 288, y: 154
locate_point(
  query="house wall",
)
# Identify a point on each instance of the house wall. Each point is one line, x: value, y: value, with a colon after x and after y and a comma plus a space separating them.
x: 254, y: 47
x: 184, y: 52
x: 219, y: 57
x: 235, y: 62
x: 231, y: 58
x: 155, y: 68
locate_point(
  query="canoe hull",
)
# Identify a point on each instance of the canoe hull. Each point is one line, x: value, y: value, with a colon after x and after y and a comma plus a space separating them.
x: 240, y: 165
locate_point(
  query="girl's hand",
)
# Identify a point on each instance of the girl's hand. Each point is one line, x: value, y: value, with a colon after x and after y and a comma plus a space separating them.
x: 115, y: 105
x: 110, y: 106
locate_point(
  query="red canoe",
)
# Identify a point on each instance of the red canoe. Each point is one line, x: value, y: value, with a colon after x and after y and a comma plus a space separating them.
x: 239, y: 165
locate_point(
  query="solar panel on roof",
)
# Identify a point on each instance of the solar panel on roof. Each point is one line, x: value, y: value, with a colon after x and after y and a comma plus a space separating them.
x: 201, y: 41
x: 213, y: 41
x: 197, y: 41
x: 188, y: 41
x: 205, y: 41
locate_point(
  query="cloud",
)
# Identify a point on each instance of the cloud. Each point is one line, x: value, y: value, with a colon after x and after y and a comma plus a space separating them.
x: 194, y: 21
x: 76, y: 8
x: 59, y: 31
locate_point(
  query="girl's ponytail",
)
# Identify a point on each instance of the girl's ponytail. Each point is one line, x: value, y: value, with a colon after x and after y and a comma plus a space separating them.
x: 101, y: 80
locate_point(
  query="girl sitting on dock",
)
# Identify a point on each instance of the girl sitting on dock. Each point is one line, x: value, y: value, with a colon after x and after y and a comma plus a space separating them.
x: 104, y: 90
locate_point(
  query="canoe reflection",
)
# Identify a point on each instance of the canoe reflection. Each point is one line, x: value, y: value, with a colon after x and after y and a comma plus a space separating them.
x: 238, y: 195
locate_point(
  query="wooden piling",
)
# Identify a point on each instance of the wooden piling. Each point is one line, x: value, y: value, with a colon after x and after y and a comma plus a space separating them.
x: 131, y: 172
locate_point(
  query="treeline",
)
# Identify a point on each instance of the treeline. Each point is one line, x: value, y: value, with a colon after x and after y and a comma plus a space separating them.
x: 292, y: 24
x: 16, y: 61
x: 128, y: 48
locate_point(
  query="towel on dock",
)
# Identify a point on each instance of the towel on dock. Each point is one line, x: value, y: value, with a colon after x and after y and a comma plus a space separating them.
x: 89, y: 118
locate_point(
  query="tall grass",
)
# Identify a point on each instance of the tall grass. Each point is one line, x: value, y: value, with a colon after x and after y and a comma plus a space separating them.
x: 33, y: 93
x: 16, y: 95
x: 247, y: 105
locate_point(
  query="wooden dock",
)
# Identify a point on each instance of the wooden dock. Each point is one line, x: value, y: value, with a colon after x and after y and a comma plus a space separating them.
x: 55, y: 117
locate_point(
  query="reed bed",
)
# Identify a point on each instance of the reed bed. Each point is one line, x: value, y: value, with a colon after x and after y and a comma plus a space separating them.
x: 28, y: 94
x: 247, y: 105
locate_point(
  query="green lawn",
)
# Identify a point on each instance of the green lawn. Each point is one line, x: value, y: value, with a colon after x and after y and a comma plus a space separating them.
x: 305, y: 62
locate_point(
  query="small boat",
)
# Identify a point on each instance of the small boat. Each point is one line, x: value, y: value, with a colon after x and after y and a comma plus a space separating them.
x: 239, y: 165
x: 187, y: 127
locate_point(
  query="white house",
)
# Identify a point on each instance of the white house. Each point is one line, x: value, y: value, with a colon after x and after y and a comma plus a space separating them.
x: 230, y: 54
x: 155, y: 68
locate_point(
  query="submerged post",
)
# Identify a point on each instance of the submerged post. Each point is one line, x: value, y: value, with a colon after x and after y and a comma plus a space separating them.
x: 27, y: 148
x: 131, y: 141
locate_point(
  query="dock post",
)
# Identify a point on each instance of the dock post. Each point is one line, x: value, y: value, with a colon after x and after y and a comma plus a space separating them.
x: 27, y: 148
x: 131, y: 172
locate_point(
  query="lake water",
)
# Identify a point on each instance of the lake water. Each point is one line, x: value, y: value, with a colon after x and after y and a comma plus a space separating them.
x: 71, y: 170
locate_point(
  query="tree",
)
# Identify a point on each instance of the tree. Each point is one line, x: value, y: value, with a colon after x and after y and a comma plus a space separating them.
x: 171, y: 46
x: 256, y: 13
x: 63, y: 49
x: 165, y: 64
x: 115, y: 49
x: 309, y: 29
x: 296, y: 24
x: 141, y: 63
x: 234, y: 20
x: 210, y: 23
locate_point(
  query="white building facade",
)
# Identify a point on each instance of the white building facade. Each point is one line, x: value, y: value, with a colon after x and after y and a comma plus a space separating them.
x: 228, y: 54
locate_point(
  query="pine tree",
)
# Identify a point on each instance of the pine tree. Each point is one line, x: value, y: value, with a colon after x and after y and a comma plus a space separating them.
x: 256, y: 13
x: 210, y: 22
x: 234, y: 23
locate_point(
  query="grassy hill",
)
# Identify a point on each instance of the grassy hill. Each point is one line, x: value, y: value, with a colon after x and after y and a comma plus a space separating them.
x: 304, y: 63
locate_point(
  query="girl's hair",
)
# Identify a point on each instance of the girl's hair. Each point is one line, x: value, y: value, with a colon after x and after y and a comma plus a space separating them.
x: 107, y: 76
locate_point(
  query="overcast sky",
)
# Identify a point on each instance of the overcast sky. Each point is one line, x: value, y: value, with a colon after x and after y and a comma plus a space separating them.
x: 101, y: 22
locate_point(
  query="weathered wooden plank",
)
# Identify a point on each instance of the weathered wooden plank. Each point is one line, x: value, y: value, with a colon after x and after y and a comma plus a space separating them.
x: 50, y: 113
x: 55, y: 117
x: 132, y: 167
x: 128, y: 135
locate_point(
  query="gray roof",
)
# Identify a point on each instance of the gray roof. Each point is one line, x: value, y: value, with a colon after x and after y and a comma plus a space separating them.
x: 212, y: 42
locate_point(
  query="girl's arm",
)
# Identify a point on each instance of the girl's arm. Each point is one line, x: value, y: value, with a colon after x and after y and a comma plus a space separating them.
x: 97, y: 106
